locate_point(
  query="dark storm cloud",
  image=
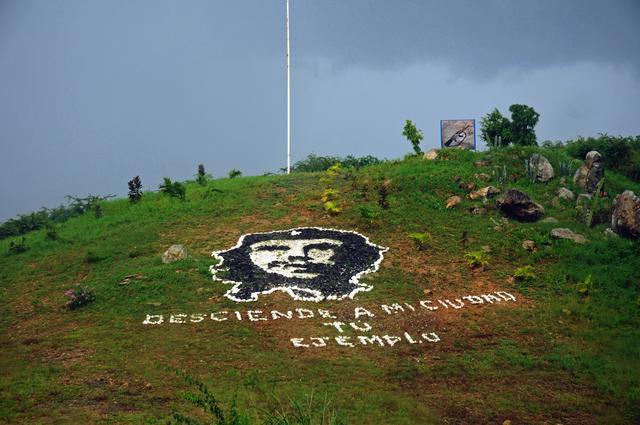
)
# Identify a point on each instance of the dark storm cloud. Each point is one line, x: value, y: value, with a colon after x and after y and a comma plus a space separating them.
x: 474, y: 37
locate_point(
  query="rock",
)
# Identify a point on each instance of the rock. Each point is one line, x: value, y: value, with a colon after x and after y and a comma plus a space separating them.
x: 467, y: 187
x: 478, y: 210
x: 562, y: 233
x: 550, y: 220
x: 542, y: 167
x: 129, y: 278
x: 610, y: 233
x: 431, y: 154
x: 453, y: 201
x: 519, y: 206
x: 482, y: 176
x: 625, y: 219
x: 174, y: 253
x: 485, y: 192
x: 529, y: 245
x: 564, y: 193
x: 590, y: 173
x: 563, y: 181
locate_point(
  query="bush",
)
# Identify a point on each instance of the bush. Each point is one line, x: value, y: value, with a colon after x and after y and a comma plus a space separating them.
x: 173, y: 189
x: 135, y: 189
x: 414, y: 135
x: 202, y: 177
x: 234, y: 173
x: 477, y: 259
x: 79, y: 297
x: 314, y: 163
x: 498, y: 130
x: 524, y: 273
x: 620, y: 154
x: 421, y: 240
x: 18, y: 247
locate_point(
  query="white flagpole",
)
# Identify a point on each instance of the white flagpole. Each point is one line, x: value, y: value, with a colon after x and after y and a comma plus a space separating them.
x: 288, y: 96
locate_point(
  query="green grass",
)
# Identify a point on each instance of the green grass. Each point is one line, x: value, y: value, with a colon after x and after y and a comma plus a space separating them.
x: 555, y: 355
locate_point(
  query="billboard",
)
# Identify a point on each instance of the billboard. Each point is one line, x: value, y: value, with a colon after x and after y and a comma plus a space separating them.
x: 458, y: 134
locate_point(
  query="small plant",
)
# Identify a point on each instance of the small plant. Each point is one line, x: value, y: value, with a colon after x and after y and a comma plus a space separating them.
x: 135, y: 189
x: 51, y: 232
x: 201, y: 177
x: 369, y: 213
x: 173, y: 189
x: 565, y: 169
x: 477, y: 259
x: 98, y: 213
x: 414, y: 136
x: 585, y: 287
x: 500, y: 175
x: 329, y: 194
x: 384, y: 189
x: 421, y: 240
x: 332, y: 208
x: 18, y: 247
x: 234, y: 173
x: 79, y: 297
x: 525, y: 273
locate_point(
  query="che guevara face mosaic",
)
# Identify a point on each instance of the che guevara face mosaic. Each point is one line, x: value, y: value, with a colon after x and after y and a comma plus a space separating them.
x: 308, y: 263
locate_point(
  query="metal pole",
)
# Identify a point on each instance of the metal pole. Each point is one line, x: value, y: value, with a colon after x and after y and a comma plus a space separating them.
x: 288, y: 96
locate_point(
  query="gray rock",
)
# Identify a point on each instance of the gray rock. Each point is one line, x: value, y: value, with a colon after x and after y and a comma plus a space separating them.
x: 529, y: 245
x: 610, y: 233
x: 542, y: 167
x: 561, y: 233
x: 564, y: 193
x: 478, y: 210
x: 431, y: 154
x: 485, y: 192
x: 174, y: 253
x: 625, y: 219
x: 590, y: 173
x: 519, y: 206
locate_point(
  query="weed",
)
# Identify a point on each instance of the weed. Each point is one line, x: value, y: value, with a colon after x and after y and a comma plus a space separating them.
x: 421, y: 240
x: 332, y: 208
x: 585, y: 287
x: 173, y: 189
x: 306, y: 412
x: 477, y: 259
x: 524, y: 273
x: 79, y: 297
x: 18, y: 247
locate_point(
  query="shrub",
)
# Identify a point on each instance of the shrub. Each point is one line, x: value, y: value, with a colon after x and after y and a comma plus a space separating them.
x: 79, y: 297
x: 329, y: 195
x: 414, y: 135
x: 332, y: 208
x: 315, y: 163
x: 585, y: 287
x: 234, y: 173
x: 421, y: 240
x: 51, y: 232
x: 18, y: 247
x: 135, y: 189
x: 524, y: 273
x: 98, y: 211
x: 369, y: 213
x: 201, y: 176
x: 477, y: 259
x: 173, y: 189
x: 383, y: 192
x: 621, y: 154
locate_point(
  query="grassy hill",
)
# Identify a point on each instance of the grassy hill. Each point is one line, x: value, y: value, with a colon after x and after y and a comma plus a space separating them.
x: 563, y: 351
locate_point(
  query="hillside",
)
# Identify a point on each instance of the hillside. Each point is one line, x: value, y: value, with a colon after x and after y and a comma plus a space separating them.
x: 434, y: 336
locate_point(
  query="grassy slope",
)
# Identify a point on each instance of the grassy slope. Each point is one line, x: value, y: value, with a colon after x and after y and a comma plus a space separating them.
x: 554, y: 356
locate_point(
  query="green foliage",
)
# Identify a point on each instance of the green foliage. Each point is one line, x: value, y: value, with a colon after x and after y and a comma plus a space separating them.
x: 307, y: 412
x: 18, y: 247
x: 202, y: 177
x: 79, y: 297
x: 174, y: 189
x: 51, y: 232
x: 585, y: 287
x: 621, y: 154
x: 97, y: 212
x: 315, y: 163
x: 421, y: 240
x: 329, y: 194
x: 234, y: 173
x: 497, y: 130
x: 477, y: 259
x: 414, y: 135
x: 384, y: 189
x: 524, y: 273
x: 369, y: 213
x: 331, y: 207
x: 135, y: 189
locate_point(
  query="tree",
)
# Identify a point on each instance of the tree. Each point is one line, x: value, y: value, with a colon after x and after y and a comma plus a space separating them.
x: 413, y: 135
x: 495, y: 129
x: 135, y: 186
x: 523, y: 120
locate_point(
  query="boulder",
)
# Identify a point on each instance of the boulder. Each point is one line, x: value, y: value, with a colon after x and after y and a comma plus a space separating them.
x: 519, y: 206
x: 485, y: 192
x: 625, y: 219
x: 529, y: 245
x: 590, y: 173
x: 564, y: 193
x: 562, y: 233
x: 453, y: 201
x: 174, y: 253
x: 541, y: 167
x: 431, y: 154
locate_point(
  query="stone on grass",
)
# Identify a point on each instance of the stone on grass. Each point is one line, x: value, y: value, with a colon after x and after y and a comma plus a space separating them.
x: 564, y: 193
x: 519, y: 206
x: 174, y: 253
x: 550, y: 220
x: 590, y: 173
x: 562, y: 233
x: 453, y: 201
x: 431, y: 154
x: 625, y: 219
x: 610, y: 233
x: 529, y: 245
x: 542, y: 167
x: 485, y: 192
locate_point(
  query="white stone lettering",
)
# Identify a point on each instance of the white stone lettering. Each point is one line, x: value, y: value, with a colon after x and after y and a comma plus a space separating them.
x: 153, y: 319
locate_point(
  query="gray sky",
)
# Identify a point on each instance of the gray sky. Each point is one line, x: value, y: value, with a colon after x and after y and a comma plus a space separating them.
x: 94, y: 92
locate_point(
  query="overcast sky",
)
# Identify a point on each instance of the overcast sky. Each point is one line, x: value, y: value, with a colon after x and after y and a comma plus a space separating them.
x: 94, y: 92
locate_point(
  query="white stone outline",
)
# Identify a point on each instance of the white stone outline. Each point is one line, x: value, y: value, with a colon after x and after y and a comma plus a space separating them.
x: 315, y: 295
